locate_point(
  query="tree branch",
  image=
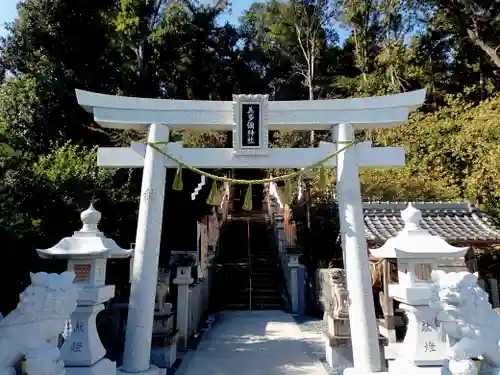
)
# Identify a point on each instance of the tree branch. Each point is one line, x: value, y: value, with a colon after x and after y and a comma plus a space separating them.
x: 474, y: 38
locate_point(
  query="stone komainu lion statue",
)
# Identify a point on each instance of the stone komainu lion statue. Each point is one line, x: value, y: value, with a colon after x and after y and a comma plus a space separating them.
x: 162, y: 288
x: 466, y: 317
x: 41, y: 315
x: 335, y: 298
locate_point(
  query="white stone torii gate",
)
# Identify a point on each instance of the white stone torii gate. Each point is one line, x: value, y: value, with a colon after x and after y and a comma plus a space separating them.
x: 250, y: 117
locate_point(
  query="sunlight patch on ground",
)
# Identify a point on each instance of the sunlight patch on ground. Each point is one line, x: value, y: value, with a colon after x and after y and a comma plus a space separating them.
x: 244, y: 340
x: 281, y: 330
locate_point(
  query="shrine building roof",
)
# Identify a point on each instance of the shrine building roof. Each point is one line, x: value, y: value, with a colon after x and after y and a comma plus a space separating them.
x: 457, y: 223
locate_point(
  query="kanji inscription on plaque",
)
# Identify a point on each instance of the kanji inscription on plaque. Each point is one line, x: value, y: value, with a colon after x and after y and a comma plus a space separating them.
x: 82, y: 272
x: 250, y: 125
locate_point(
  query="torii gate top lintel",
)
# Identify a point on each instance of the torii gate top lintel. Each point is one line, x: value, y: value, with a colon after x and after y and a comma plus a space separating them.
x: 250, y: 117
x: 363, y: 113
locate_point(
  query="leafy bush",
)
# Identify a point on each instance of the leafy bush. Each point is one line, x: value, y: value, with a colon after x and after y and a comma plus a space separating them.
x: 41, y: 202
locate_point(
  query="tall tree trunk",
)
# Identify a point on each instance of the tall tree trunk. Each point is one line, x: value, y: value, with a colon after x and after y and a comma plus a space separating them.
x: 433, y: 81
x: 311, y: 97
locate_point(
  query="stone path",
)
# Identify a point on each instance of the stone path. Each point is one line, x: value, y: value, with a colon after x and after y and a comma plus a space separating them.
x: 253, y: 343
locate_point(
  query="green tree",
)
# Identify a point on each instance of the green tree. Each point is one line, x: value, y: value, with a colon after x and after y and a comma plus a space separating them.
x: 52, y: 48
x: 406, y: 184
x: 295, y: 32
x: 362, y: 18
x: 457, y: 144
x: 477, y: 21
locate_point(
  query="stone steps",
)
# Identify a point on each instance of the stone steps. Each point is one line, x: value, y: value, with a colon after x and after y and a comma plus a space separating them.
x: 234, y: 269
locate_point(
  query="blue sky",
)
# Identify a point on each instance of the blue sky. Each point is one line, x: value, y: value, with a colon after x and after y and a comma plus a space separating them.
x: 238, y: 7
x: 8, y: 13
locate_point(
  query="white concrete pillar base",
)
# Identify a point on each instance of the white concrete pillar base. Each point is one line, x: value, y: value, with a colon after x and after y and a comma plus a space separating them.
x: 102, y: 367
x: 353, y: 371
x: 152, y: 370
x: 84, y: 347
x: 338, y: 357
x: 399, y: 367
x: 413, y: 347
x: 402, y: 366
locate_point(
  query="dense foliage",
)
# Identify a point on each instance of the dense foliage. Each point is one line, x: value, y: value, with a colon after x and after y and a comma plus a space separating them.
x: 289, y: 49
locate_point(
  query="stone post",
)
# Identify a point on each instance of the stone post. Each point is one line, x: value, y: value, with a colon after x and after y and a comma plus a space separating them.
x: 279, y: 235
x: 147, y: 248
x: 183, y: 279
x: 210, y: 260
x: 364, y: 334
x: 297, y: 279
x: 280, y: 229
x: 280, y: 238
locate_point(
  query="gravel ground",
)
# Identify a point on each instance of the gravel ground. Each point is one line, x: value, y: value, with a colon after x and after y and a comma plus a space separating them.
x: 313, y: 345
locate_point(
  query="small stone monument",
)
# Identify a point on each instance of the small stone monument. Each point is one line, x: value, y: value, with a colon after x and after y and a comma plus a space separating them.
x: 86, y: 252
x: 418, y: 253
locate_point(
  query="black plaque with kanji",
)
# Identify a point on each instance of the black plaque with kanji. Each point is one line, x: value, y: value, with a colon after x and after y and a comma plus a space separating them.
x: 250, y: 125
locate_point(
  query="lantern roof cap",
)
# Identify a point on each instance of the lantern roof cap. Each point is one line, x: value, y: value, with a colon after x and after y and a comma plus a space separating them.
x: 413, y: 241
x: 87, y: 243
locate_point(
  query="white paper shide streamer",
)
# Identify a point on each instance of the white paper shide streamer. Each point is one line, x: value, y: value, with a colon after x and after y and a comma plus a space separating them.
x: 299, y: 188
x: 198, y: 188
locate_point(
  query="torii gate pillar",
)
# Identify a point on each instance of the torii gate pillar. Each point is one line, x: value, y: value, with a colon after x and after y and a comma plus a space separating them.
x: 139, y: 331
x: 364, y: 333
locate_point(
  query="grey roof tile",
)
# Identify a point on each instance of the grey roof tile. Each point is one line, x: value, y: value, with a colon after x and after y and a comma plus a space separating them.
x: 452, y: 221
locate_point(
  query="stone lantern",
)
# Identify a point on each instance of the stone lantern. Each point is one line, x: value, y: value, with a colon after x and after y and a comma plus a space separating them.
x: 417, y: 253
x: 87, y: 251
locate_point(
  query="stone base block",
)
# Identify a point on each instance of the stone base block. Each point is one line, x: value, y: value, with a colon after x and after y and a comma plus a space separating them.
x: 163, y: 323
x: 152, y: 370
x: 354, y: 371
x: 337, y: 326
x: 95, y: 295
x: 102, y: 367
x: 402, y: 366
x: 338, y: 352
x: 165, y: 357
